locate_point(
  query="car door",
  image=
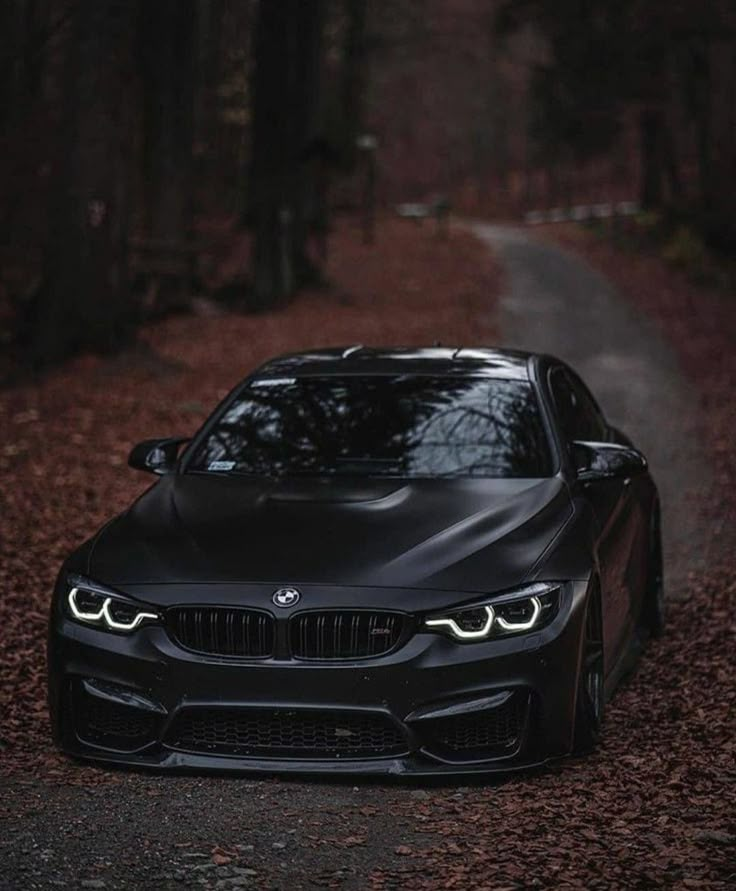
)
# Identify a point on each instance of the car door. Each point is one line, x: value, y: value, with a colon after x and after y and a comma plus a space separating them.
x: 581, y: 419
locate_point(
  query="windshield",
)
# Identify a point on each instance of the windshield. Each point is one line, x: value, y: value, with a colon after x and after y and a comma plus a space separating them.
x: 399, y: 426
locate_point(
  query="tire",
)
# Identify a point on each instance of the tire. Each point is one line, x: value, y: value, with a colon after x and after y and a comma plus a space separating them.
x: 589, y: 703
x: 652, y: 620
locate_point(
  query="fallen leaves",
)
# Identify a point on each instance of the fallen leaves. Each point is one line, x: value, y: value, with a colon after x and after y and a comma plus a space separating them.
x: 654, y: 808
x: 352, y: 840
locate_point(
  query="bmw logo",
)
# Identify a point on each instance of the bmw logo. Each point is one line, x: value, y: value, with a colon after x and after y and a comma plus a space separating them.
x: 286, y: 597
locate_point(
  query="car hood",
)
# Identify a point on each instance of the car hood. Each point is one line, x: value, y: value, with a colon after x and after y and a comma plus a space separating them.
x: 463, y: 535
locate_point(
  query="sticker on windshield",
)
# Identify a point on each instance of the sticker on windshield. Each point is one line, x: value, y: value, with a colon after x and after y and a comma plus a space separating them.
x: 221, y: 465
x: 273, y: 382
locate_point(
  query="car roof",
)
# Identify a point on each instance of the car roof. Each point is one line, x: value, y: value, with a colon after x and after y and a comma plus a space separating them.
x: 440, y: 360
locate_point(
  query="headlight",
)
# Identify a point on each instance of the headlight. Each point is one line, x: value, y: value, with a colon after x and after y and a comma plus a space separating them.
x: 531, y: 607
x: 95, y: 606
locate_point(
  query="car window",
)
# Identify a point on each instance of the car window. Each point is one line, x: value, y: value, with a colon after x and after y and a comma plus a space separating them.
x: 379, y: 425
x: 590, y: 415
x: 580, y: 418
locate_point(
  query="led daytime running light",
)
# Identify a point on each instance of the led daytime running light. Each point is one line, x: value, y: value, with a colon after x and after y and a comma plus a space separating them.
x: 459, y: 632
x: 522, y: 626
x: 104, y: 613
x: 534, y: 595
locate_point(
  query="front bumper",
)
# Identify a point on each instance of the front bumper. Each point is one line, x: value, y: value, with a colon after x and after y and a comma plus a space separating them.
x: 432, y: 707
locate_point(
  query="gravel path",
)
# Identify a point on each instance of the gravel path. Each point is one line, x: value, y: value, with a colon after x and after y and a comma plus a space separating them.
x: 622, y: 818
x: 553, y: 302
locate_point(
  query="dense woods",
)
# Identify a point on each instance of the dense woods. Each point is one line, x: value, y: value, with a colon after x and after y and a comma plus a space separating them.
x: 665, y: 71
x: 134, y: 134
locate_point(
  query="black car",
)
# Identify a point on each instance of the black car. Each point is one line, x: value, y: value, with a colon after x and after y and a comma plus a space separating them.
x: 400, y: 561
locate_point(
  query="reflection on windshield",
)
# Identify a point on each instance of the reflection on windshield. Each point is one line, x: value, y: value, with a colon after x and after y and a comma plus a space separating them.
x: 406, y: 426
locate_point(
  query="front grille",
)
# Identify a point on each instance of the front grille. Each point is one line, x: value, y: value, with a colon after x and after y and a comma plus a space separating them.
x: 343, y: 634
x: 222, y: 631
x: 492, y: 733
x: 285, y: 733
x: 101, y: 722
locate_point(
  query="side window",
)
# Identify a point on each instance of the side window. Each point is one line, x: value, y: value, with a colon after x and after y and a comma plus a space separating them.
x: 579, y: 416
x: 589, y: 415
x: 563, y: 399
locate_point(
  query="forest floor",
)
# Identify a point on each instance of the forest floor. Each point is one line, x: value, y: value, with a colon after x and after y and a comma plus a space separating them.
x: 654, y: 807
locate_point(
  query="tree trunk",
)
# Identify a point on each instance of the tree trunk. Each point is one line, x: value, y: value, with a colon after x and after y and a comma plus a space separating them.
x: 206, y: 124
x: 286, y: 109
x: 270, y: 149
x: 167, y: 37
x: 84, y: 300
x: 716, y: 143
x: 19, y: 64
x: 651, y: 137
x: 353, y: 80
x: 16, y: 93
x: 697, y: 79
x: 310, y: 159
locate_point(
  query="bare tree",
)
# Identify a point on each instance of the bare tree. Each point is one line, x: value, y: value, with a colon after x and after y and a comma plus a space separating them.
x: 286, y: 120
x: 353, y: 78
x: 83, y: 302
x: 16, y: 57
x: 167, y: 29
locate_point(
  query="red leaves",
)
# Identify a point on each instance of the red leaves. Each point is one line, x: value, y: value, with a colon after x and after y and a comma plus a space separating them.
x: 352, y: 840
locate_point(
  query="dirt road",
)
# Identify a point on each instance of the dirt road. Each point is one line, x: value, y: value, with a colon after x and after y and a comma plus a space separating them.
x: 554, y: 302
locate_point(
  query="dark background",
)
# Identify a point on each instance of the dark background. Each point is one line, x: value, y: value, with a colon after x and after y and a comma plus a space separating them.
x: 137, y: 138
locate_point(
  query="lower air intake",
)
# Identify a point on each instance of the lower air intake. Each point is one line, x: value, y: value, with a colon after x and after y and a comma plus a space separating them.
x: 493, y: 733
x: 285, y: 733
x: 110, y: 725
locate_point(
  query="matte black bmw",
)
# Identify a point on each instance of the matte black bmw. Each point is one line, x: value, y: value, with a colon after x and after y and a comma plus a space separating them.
x: 371, y: 561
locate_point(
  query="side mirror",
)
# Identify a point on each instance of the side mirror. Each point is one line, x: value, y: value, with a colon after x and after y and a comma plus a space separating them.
x: 606, y: 461
x: 156, y: 455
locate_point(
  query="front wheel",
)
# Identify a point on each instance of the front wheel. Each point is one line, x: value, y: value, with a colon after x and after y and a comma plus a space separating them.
x: 590, y: 697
